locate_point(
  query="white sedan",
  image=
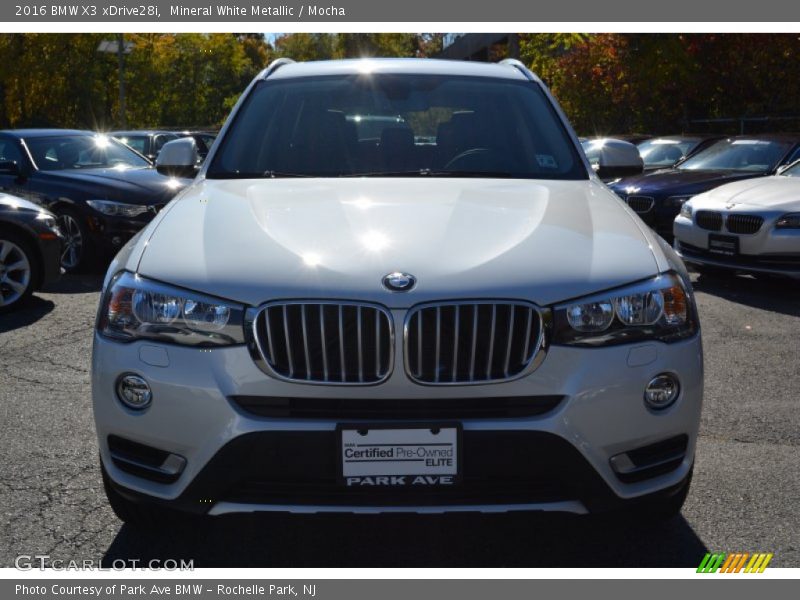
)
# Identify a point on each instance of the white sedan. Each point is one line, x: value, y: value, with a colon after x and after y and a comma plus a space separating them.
x: 750, y: 226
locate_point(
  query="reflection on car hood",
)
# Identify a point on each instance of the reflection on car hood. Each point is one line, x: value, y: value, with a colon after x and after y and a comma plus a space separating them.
x: 7, y: 201
x: 767, y: 193
x: 259, y: 240
x: 678, y: 181
x: 139, y: 185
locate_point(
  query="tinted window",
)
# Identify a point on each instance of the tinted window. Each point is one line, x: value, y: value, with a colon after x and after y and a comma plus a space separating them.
x: 137, y: 142
x: 81, y: 152
x: 665, y: 152
x: 739, y: 155
x: 365, y: 125
x: 9, y: 152
x: 793, y: 171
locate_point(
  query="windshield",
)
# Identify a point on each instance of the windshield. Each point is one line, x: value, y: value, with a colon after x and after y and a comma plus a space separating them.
x: 137, y: 142
x: 758, y: 156
x: 82, y: 152
x: 662, y: 152
x: 397, y: 125
x: 793, y: 171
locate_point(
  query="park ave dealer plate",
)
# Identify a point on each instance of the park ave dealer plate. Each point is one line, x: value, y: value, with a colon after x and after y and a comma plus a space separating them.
x: 399, y: 455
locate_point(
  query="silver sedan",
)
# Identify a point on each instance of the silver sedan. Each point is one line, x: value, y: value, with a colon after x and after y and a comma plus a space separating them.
x: 750, y: 226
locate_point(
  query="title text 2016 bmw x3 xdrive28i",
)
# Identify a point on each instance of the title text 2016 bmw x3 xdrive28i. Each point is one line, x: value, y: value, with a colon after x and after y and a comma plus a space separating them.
x: 450, y: 314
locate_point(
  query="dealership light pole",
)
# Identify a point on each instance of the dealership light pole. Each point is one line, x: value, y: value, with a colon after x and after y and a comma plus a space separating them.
x: 121, y: 48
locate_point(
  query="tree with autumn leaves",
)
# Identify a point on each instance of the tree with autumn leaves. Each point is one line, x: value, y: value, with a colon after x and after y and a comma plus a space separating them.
x: 607, y: 83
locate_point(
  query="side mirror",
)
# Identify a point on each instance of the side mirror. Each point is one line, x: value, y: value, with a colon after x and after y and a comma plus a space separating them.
x: 612, y: 159
x: 9, y: 167
x: 178, y: 158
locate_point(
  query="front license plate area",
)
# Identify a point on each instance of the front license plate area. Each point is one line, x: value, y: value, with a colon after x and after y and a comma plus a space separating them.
x: 725, y: 245
x: 422, y: 456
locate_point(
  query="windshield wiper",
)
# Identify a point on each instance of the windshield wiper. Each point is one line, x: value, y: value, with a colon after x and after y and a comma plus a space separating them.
x: 275, y: 174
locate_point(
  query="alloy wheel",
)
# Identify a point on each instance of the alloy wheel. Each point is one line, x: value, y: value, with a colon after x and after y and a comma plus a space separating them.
x: 15, y: 272
x: 73, y: 241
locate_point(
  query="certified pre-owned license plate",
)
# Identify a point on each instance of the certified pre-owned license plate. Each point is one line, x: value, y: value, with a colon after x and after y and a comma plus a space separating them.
x: 408, y: 455
x: 726, y: 245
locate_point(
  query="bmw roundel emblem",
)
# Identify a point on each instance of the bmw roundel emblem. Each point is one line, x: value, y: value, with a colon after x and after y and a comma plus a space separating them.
x: 399, y: 282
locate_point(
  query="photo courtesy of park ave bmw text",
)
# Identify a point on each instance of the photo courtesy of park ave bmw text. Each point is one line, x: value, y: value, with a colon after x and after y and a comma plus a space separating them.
x: 329, y: 286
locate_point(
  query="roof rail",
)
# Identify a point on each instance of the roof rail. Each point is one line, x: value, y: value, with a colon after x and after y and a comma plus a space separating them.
x: 519, y: 66
x: 275, y: 65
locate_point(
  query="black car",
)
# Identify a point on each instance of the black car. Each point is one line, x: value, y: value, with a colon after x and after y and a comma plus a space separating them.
x: 665, y: 152
x: 30, y: 250
x: 203, y: 139
x: 101, y: 191
x: 146, y: 142
x: 657, y: 196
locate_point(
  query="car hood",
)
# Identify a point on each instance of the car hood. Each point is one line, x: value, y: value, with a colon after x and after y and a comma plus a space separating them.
x: 767, y: 193
x: 259, y: 240
x: 136, y: 186
x: 678, y: 181
x: 16, y: 203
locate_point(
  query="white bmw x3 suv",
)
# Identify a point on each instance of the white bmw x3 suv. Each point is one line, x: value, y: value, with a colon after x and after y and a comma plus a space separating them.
x: 395, y: 285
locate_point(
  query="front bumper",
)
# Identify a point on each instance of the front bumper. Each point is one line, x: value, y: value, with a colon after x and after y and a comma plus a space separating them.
x: 109, y: 234
x: 770, y: 251
x: 237, y: 459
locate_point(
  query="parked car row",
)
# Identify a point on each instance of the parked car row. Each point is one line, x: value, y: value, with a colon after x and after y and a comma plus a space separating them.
x: 149, y: 142
x: 726, y: 204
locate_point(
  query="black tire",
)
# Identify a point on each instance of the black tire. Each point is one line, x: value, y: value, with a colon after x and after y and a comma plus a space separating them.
x: 17, y: 249
x: 74, y: 259
x: 142, y: 515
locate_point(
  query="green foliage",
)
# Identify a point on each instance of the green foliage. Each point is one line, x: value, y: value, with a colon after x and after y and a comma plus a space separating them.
x: 607, y: 83
x: 661, y: 83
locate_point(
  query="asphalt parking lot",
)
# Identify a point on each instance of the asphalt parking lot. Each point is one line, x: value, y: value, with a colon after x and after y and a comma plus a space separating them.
x: 743, y: 498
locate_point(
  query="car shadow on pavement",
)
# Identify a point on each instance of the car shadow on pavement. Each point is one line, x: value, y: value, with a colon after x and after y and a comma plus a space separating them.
x: 34, y: 309
x: 82, y: 283
x: 777, y: 295
x: 453, y: 540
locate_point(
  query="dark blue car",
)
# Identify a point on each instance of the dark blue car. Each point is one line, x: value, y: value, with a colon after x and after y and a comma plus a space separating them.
x: 657, y: 196
x: 101, y: 191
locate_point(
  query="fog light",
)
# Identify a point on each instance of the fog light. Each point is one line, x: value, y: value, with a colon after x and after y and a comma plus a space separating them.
x: 662, y: 391
x: 134, y: 392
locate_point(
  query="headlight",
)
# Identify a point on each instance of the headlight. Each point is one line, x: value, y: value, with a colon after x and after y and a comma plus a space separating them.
x: 47, y: 220
x: 659, y: 309
x: 117, y: 209
x: 790, y: 221
x: 686, y: 211
x: 676, y: 201
x: 134, y: 308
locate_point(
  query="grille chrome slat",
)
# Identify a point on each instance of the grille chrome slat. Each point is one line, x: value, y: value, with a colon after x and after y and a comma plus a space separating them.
x: 359, y: 344
x: 492, y: 337
x: 491, y: 342
x: 341, y: 344
x: 474, y: 341
x: 457, y: 327
x: 355, y: 344
x: 438, y: 339
x: 510, y: 340
x: 377, y: 345
x: 324, y: 342
x: 305, y: 341
x: 288, y: 343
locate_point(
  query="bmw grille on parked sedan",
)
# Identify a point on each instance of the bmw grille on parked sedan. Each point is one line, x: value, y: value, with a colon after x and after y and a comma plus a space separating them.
x: 750, y: 226
x: 445, y: 311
